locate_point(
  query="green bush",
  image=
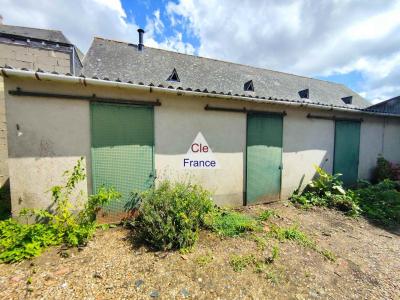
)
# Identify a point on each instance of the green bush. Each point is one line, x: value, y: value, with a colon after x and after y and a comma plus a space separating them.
x: 18, y: 241
x: 383, y: 170
x: 327, y: 190
x: 230, y: 223
x: 62, y: 225
x: 170, y: 215
x: 381, y: 202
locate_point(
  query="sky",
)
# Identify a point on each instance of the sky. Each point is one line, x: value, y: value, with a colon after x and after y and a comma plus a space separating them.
x: 354, y: 42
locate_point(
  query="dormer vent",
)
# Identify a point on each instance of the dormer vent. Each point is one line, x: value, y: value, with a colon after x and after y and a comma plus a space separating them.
x: 248, y: 86
x: 348, y: 100
x: 305, y: 94
x: 174, y: 76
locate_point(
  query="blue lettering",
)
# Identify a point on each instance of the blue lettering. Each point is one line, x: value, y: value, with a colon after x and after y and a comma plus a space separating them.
x: 185, y: 161
x: 199, y: 163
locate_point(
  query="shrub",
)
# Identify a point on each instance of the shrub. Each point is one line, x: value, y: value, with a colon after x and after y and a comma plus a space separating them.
x: 385, y: 170
x: 381, y: 202
x: 230, y: 223
x: 171, y: 215
x: 327, y: 190
x: 21, y: 241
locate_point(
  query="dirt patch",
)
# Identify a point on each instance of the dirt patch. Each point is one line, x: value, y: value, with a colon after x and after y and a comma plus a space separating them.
x: 367, y: 266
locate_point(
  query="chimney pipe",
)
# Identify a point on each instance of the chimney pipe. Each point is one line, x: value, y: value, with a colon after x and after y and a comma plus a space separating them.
x: 140, y: 44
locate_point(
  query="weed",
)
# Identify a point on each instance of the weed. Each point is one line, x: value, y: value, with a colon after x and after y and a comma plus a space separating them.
x: 292, y: 233
x: 260, y: 241
x: 240, y: 262
x: 274, y: 255
x: 272, y: 277
x: 275, y: 252
x: 259, y: 267
x: 21, y: 241
x: 327, y: 190
x: 204, y: 260
x: 230, y: 223
x: 328, y: 255
x: 266, y: 215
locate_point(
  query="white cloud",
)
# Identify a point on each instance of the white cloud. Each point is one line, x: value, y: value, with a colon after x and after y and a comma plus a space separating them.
x: 303, y: 37
x: 81, y: 20
x: 154, y: 27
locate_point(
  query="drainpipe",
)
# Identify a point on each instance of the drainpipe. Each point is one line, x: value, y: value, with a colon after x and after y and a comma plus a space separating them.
x: 73, y: 61
x: 124, y: 85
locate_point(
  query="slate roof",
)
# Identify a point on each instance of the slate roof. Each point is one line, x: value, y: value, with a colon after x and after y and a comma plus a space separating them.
x: 122, y: 61
x: 35, y: 33
x: 391, y: 106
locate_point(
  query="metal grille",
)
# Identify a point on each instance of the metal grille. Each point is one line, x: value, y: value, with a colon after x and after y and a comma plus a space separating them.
x: 122, y: 152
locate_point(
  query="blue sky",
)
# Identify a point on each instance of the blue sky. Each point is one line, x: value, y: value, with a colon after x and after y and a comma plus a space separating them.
x: 141, y: 10
x: 354, y: 42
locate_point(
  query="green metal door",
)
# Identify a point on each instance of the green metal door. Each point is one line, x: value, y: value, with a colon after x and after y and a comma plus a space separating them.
x: 347, y: 148
x: 264, y: 158
x: 122, y: 151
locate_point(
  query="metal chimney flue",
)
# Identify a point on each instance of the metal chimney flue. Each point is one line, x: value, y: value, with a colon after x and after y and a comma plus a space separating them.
x: 140, y: 44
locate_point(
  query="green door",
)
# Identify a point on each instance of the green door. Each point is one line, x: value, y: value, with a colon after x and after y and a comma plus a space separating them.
x: 347, y: 148
x: 122, y: 151
x: 264, y: 158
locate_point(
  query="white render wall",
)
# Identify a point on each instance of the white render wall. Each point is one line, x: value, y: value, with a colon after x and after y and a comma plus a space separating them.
x: 56, y: 132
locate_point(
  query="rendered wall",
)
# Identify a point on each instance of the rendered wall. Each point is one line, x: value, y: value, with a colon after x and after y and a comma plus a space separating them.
x: 56, y: 132
x: 53, y: 134
x: 30, y: 58
x: 306, y: 143
x: 391, y: 146
x: 371, y: 145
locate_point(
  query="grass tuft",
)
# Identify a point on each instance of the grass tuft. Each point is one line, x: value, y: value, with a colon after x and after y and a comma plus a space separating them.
x: 231, y: 223
x: 266, y: 215
x: 204, y: 260
x: 240, y: 262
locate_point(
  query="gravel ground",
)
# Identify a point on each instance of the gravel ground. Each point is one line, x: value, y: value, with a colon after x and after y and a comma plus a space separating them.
x: 111, y: 267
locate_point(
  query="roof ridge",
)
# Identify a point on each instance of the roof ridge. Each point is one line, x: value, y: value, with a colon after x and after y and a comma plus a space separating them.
x: 223, y: 61
x: 36, y: 28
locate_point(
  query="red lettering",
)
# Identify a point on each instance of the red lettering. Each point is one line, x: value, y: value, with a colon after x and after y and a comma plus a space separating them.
x: 195, y: 147
x: 199, y: 148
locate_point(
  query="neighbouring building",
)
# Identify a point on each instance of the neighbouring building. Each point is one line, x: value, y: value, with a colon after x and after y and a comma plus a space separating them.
x: 32, y: 49
x: 137, y: 114
x: 392, y: 106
